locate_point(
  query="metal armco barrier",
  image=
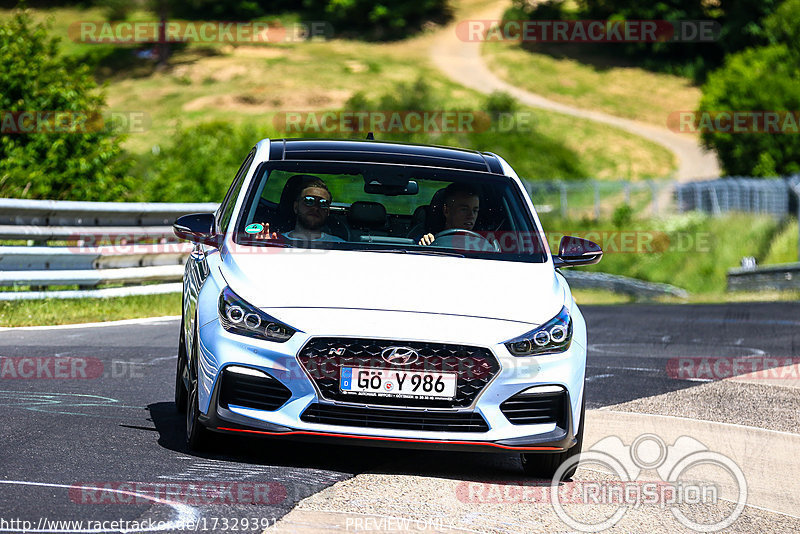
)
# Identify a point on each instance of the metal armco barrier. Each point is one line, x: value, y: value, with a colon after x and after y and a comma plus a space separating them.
x: 772, y: 196
x: 781, y: 277
x: 85, y: 262
x: 621, y: 284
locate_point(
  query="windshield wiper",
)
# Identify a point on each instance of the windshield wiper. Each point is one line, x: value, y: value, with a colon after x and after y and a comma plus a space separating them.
x: 426, y: 252
x: 265, y: 243
x: 434, y: 252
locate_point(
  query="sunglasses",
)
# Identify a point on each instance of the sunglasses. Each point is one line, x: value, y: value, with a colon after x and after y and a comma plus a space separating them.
x: 312, y: 201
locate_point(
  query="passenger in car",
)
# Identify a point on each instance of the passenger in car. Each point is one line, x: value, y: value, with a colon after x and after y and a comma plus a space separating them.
x: 460, y: 209
x: 311, y: 208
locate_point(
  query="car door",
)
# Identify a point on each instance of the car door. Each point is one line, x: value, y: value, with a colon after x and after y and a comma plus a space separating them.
x: 197, y: 269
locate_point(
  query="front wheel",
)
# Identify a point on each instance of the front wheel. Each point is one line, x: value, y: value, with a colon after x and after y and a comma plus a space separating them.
x: 198, y: 437
x: 181, y: 394
x: 545, y: 465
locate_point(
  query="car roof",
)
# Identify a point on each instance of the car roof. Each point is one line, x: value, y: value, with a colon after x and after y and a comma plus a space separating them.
x: 383, y: 152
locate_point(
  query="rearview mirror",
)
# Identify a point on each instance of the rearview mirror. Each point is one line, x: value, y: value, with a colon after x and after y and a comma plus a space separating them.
x: 197, y: 228
x: 574, y: 251
x: 374, y: 187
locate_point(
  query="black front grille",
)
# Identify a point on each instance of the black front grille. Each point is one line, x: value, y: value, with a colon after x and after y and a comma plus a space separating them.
x: 536, y: 409
x: 260, y: 393
x: 396, y: 419
x: 323, y: 358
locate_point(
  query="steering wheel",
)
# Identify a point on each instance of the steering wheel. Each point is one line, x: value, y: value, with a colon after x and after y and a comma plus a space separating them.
x: 453, y: 231
x: 467, y: 233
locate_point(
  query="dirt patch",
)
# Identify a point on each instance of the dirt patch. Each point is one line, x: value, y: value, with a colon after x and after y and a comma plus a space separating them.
x: 257, y: 51
x: 263, y: 100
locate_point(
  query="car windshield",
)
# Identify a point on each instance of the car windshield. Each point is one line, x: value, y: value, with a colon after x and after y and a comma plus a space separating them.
x: 391, y: 208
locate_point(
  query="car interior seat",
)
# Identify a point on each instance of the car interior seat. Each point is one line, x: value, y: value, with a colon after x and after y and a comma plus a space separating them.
x: 367, y: 219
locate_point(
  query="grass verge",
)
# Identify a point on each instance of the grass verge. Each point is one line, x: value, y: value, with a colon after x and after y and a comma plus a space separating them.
x: 691, y: 251
x: 255, y: 84
x: 585, y: 81
x: 70, y: 311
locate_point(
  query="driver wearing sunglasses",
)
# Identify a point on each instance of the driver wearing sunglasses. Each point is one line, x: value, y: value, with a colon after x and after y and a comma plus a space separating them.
x: 311, y: 208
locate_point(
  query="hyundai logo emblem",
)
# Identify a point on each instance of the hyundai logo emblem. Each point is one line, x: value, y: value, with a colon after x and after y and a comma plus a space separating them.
x: 399, y: 355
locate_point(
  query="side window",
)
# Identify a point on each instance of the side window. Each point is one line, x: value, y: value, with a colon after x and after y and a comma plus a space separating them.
x: 226, y: 209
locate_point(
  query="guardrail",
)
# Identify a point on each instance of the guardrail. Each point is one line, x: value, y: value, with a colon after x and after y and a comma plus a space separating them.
x: 634, y: 287
x: 785, y: 276
x: 77, y: 260
x: 92, y: 243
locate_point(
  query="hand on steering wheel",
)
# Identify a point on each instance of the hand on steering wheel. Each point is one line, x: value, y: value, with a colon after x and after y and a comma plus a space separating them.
x: 453, y: 231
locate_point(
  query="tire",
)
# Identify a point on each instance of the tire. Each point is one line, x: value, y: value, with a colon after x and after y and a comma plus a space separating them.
x: 198, y: 437
x: 181, y: 394
x: 545, y: 465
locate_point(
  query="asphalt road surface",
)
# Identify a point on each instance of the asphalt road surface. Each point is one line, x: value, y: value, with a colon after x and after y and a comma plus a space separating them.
x: 119, y: 425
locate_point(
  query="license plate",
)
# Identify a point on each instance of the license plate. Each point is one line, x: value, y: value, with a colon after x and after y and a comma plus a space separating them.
x: 398, y: 383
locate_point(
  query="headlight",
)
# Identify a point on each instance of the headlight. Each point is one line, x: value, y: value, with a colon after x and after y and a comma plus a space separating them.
x: 241, y: 318
x: 553, y: 336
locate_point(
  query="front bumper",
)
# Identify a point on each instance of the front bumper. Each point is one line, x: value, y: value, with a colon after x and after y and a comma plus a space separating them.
x: 219, y: 349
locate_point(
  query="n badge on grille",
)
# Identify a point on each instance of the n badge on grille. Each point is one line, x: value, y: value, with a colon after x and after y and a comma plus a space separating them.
x: 339, y: 351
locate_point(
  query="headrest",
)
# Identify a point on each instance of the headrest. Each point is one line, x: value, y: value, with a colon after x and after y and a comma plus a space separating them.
x: 367, y: 214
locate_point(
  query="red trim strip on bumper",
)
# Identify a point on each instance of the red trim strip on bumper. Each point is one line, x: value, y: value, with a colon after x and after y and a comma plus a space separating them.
x: 378, y: 438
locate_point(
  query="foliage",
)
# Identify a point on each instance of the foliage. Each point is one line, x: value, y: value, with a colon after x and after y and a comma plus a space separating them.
x: 531, y: 153
x: 386, y: 19
x: 691, y: 251
x: 741, y: 25
x: 199, y: 165
x: 40, y: 164
x: 623, y: 216
x: 758, y: 79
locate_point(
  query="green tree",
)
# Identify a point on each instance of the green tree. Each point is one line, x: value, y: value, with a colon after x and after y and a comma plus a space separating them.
x: 758, y: 79
x: 39, y: 164
x: 199, y: 164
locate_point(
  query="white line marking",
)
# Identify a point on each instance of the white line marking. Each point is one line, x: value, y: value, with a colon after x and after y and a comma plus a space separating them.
x: 597, y: 377
x: 143, y: 320
x: 626, y: 369
x: 186, y: 513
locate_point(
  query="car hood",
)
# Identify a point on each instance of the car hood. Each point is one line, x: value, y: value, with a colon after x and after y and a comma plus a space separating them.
x: 296, y: 278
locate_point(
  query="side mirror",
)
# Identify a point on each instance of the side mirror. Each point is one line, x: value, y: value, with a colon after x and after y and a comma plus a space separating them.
x: 197, y: 228
x: 577, y: 251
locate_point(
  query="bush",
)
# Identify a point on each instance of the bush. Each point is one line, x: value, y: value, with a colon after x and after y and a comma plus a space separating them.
x: 759, y: 79
x: 34, y: 78
x: 742, y: 25
x: 386, y: 19
x: 199, y: 165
